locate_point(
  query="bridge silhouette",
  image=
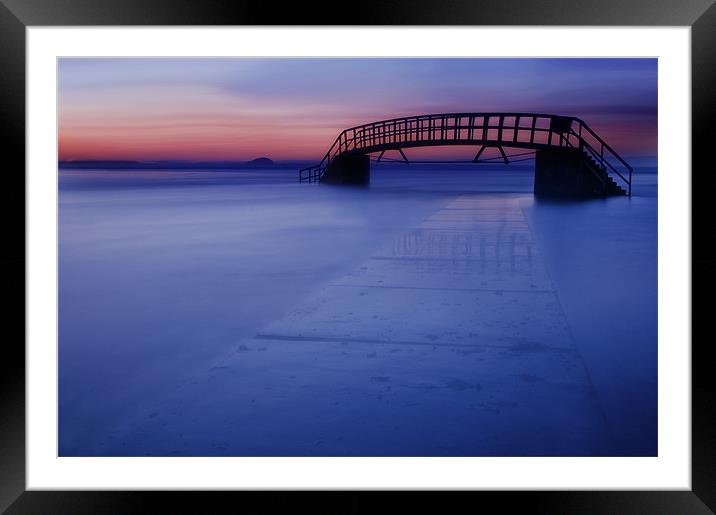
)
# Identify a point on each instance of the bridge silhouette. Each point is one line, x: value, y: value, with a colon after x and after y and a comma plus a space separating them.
x: 570, y: 157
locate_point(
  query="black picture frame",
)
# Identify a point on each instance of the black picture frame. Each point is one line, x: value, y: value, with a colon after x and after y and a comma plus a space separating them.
x: 17, y: 15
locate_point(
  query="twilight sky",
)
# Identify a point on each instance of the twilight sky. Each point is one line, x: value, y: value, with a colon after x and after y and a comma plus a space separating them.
x: 242, y: 108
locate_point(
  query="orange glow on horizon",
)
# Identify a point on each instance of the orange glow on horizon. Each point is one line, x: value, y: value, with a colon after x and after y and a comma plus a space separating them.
x: 293, y: 109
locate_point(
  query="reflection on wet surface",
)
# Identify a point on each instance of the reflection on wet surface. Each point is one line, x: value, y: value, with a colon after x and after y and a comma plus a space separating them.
x: 449, y: 340
x: 438, y: 312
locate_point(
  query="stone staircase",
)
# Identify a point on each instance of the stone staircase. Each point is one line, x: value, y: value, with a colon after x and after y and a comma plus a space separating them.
x: 609, y: 185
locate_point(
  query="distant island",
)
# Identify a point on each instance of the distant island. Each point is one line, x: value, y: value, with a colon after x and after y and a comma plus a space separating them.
x: 261, y: 161
x: 123, y: 164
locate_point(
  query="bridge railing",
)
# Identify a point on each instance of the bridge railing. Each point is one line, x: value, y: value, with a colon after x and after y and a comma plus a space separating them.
x: 527, y: 130
x: 604, y: 155
x: 314, y: 173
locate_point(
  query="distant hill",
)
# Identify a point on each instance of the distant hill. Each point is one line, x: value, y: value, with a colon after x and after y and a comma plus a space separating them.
x: 95, y: 163
x: 261, y: 162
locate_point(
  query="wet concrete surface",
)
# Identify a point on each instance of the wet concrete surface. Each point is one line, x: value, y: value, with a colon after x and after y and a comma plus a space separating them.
x: 450, y: 340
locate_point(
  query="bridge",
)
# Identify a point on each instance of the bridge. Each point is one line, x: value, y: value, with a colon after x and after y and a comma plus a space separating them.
x: 570, y: 158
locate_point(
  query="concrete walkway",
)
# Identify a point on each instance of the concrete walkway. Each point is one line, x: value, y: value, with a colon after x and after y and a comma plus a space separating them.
x: 451, y: 341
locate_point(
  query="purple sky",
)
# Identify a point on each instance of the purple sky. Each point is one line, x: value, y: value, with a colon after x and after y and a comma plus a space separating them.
x: 242, y: 108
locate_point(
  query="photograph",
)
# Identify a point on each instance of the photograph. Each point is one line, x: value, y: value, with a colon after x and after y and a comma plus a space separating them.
x: 276, y: 258
x: 357, y: 256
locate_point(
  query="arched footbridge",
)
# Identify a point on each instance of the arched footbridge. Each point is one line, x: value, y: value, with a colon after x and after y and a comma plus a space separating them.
x: 570, y: 157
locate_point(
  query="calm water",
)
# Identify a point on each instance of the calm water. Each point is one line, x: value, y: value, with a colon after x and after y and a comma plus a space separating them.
x: 170, y: 282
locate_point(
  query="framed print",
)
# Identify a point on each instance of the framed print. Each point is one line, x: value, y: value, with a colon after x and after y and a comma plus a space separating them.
x: 421, y: 249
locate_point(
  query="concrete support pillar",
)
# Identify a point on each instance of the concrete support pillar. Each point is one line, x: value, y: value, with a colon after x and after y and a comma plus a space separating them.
x: 348, y: 169
x: 564, y: 173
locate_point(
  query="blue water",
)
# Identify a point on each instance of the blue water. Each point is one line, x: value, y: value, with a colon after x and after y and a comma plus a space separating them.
x: 164, y: 273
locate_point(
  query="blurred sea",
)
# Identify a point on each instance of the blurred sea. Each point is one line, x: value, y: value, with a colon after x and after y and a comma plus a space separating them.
x: 164, y: 272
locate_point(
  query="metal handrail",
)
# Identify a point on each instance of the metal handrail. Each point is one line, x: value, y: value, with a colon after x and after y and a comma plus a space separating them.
x: 449, y: 129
